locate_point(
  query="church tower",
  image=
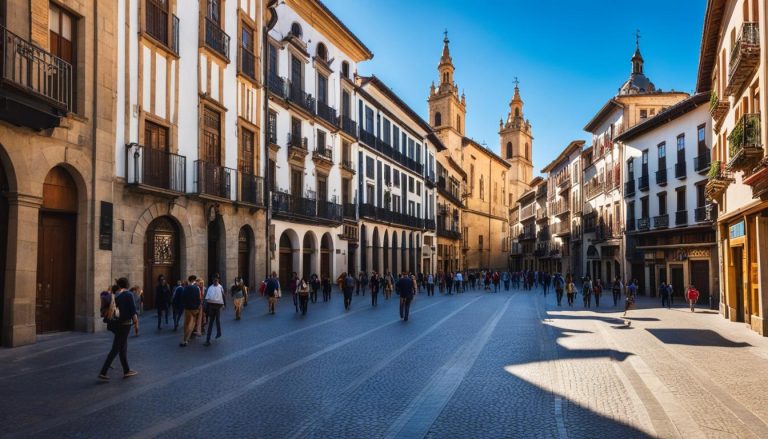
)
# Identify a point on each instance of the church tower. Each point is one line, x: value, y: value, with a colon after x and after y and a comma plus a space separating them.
x: 516, y: 143
x: 447, y: 110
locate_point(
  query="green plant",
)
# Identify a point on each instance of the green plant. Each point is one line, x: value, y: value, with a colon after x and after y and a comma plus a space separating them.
x: 735, y: 139
x: 714, y: 170
x: 713, y: 100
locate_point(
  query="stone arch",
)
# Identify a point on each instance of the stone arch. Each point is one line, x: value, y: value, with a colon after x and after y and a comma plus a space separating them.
x: 385, y: 259
x: 217, y: 249
x: 309, y: 252
x: 162, y: 255
x: 376, y: 246
x: 289, y: 258
x: 438, y: 119
x: 326, y: 256
x: 246, y: 255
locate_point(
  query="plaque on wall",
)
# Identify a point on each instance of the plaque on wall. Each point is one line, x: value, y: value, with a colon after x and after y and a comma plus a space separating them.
x: 105, y: 226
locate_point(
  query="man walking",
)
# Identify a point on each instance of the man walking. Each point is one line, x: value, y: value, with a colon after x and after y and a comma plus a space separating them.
x: 238, y: 294
x: 272, y: 291
x: 178, y: 306
x: 405, y: 290
x: 558, y: 281
x: 664, y: 293
x: 349, y: 288
x: 616, y: 290
x: 127, y: 316
x: 587, y: 292
x: 375, y: 282
x: 430, y: 285
x: 162, y: 299
x: 190, y: 299
x: 214, y: 299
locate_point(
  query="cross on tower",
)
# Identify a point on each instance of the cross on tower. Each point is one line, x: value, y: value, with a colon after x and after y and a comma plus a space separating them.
x: 516, y: 82
x: 637, y: 37
x: 445, y: 35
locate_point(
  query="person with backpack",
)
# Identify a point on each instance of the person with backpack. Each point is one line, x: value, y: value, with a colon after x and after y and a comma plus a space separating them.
x: 587, y: 292
x: 272, y: 291
x: 120, y: 314
x: 349, y: 288
x: 326, y: 283
x: 215, y: 301
x: 616, y: 290
x: 570, y: 290
x: 302, y: 291
x: 496, y: 281
x: 559, y: 284
x: 692, y: 295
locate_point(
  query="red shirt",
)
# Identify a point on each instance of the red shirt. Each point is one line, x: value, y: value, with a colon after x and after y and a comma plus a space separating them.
x: 692, y: 294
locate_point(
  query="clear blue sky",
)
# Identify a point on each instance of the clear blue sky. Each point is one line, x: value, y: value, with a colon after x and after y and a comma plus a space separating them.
x: 570, y: 56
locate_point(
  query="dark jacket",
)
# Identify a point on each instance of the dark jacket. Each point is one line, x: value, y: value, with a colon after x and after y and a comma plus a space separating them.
x: 163, y: 296
x: 405, y: 287
x: 126, y: 306
x: 191, y: 297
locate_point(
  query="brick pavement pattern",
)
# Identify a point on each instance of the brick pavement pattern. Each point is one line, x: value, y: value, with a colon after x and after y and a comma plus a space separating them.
x: 471, y: 365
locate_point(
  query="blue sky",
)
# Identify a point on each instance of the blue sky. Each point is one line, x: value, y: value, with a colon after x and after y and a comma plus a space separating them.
x: 570, y: 56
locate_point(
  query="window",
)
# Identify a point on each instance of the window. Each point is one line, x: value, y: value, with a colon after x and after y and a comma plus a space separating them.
x: 644, y: 207
x: 345, y: 69
x: 369, y: 194
x: 345, y: 190
x: 681, y: 148
x: 296, y: 30
x: 662, y: 203
x: 321, y: 52
x: 63, y: 29
x: 297, y: 176
x: 369, y: 120
x: 155, y: 136
x: 322, y: 88
x: 247, y: 58
x: 681, y: 199
x: 701, y: 199
x: 273, y: 174
x: 396, y: 203
x: 418, y: 153
x: 527, y: 152
x: 369, y: 167
x: 387, y: 175
x: 701, y: 134
x: 411, y: 208
x: 411, y: 147
x: 482, y: 188
x: 211, y: 152
x: 272, y: 60
x: 509, y: 150
x: 345, y: 153
x: 387, y: 135
x: 458, y: 123
x: 396, y: 138
x: 630, y: 212
x: 346, y: 104
x: 396, y: 178
x: 662, y: 150
x: 630, y: 168
x: 438, y: 119
x: 296, y: 131
x: 245, y: 163
x: 643, y: 114
x: 321, y: 145
x: 410, y: 184
x: 418, y: 188
x: 322, y: 187
x: 213, y: 11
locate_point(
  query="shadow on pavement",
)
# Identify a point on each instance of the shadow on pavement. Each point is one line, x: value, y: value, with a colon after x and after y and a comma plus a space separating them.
x: 695, y: 337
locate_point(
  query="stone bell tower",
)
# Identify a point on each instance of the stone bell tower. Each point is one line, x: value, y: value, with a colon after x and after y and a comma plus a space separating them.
x: 516, y: 144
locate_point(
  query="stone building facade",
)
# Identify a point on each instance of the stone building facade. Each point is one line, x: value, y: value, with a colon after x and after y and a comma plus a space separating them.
x: 57, y: 115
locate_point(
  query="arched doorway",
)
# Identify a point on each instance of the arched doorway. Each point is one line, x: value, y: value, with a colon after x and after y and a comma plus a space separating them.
x: 376, y: 247
x: 161, y: 256
x: 216, y: 250
x: 244, y: 259
x: 403, y: 252
x: 286, y: 260
x: 326, y: 250
x: 411, y: 254
x: 385, y: 245
x: 363, y: 250
x: 3, y: 238
x: 308, y: 252
x: 56, y: 253
x: 395, y: 251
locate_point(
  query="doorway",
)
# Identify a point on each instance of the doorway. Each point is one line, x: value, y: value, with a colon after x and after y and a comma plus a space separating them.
x: 677, y: 280
x: 244, y: 243
x: 326, y: 249
x: 161, y: 256
x: 216, y: 250
x: 56, y: 253
x: 736, y: 273
x: 308, y: 250
x: 3, y: 229
x: 286, y: 260
x: 700, y: 277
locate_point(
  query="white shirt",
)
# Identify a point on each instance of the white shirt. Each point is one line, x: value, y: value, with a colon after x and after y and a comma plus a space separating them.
x: 215, y: 294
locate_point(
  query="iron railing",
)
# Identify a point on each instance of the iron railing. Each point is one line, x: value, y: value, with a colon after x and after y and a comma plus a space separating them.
x: 661, y: 177
x: 277, y: 85
x: 212, y: 179
x: 643, y: 223
x: 323, y: 152
x: 301, y: 98
x: 681, y: 217
x: 216, y: 39
x: 156, y: 168
x: 642, y: 182
x: 680, y: 170
x: 250, y: 189
x: 702, y: 162
x: 661, y: 221
x: 349, y: 210
x: 747, y: 43
x: 32, y: 69
x: 247, y: 63
x: 327, y: 113
x: 348, y: 125
x: 156, y: 22
x: 629, y: 188
x: 381, y: 214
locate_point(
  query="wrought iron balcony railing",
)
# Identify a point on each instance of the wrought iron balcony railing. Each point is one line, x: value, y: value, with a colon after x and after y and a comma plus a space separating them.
x: 643, y: 223
x: 629, y: 188
x: 156, y: 22
x: 327, y: 113
x: 250, y: 189
x: 348, y: 125
x: 155, y: 168
x: 301, y: 98
x: 661, y: 221
x: 681, y: 217
x: 216, y: 39
x: 642, y: 183
x: 680, y: 171
x: 701, y: 163
x: 745, y: 56
x: 744, y: 144
x: 661, y: 177
x: 214, y: 180
x: 247, y: 63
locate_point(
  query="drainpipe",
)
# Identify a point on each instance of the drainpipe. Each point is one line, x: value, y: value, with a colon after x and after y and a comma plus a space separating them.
x: 271, y: 5
x: 94, y: 122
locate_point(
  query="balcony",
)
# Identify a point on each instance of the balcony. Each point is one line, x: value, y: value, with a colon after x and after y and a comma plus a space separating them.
x: 661, y: 177
x: 368, y: 138
x: 661, y: 221
x: 680, y: 172
x: 629, y: 188
x: 702, y: 162
x: 300, y: 98
x: 718, y: 108
x: 277, y: 86
x: 348, y: 126
x: 744, y: 145
x: 445, y: 232
x: 216, y: 39
x: 560, y: 207
x: 349, y: 211
x: 246, y: 63
x: 323, y: 157
x: 156, y: 22
x: 541, y: 191
x: 703, y: 214
x: 448, y: 191
x: 250, y: 189
x: 681, y: 217
x: 527, y: 235
x: 562, y: 228
x: 155, y: 170
x: 327, y: 113
x: 349, y: 233
x: 744, y: 59
x: 541, y: 214
x: 593, y: 189
x: 347, y: 165
x: 430, y: 179
x: 643, y: 224
x: 297, y: 147
x: 631, y: 225
x: 36, y: 86
x: 213, y: 180
x: 642, y: 183
x: 305, y: 209
x: 718, y: 180
x: 387, y: 216
x: 429, y: 224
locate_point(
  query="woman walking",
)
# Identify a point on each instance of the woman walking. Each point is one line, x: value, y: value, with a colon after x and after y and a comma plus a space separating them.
x: 570, y: 290
x: 692, y: 295
x: 597, y: 289
x: 302, y: 291
x: 326, y: 289
x: 587, y: 292
x: 388, y: 283
x: 375, y: 283
x: 292, y: 285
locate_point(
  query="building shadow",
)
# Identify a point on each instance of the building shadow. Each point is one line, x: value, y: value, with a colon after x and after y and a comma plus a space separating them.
x: 695, y: 337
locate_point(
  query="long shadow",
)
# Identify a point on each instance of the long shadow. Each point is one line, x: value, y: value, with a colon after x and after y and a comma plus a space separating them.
x: 695, y: 337
x: 612, y: 320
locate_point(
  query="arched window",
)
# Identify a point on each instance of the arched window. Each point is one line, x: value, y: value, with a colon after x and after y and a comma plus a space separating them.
x: 445, y: 77
x: 482, y: 188
x: 322, y: 52
x: 296, y: 30
x: 509, y: 150
x: 345, y: 69
x: 438, y: 119
x: 527, y: 152
x: 517, y: 112
x: 458, y: 123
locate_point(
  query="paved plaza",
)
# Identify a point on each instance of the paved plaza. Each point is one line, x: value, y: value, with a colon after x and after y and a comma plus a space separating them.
x: 473, y: 365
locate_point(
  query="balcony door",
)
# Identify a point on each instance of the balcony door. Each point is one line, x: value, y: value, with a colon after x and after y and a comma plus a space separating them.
x: 296, y: 83
x: 246, y: 162
x: 296, y: 183
x: 155, y: 159
x: 346, y: 106
x: 211, y: 152
x: 62, y: 27
x: 681, y: 148
x: 645, y: 164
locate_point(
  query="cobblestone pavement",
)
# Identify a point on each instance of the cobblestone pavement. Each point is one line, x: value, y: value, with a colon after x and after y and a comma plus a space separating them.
x: 474, y: 365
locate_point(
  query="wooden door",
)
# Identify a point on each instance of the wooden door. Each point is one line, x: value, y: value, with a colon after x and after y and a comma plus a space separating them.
x: 286, y: 261
x: 161, y: 257
x: 55, y: 304
x: 736, y: 273
x: 700, y: 278
x: 244, y: 256
x: 677, y: 280
x: 3, y: 226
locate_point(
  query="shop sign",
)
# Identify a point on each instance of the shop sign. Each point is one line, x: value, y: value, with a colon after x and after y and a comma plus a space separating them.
x: 736, y: 230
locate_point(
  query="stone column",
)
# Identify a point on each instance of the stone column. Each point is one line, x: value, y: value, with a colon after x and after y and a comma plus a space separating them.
x: 21, y: 270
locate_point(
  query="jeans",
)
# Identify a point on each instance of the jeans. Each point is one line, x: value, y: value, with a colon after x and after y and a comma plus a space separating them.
x: 178, y: 311
x: 374, y: 297
x: 665, y: 300
x: 303, y: 300
x: 597, y: 300
x: 587, y: 300
x: 119, y: 346
x: 616, y: 297
x: 160, y: 311
x: 214, y: 315
x: 347, y: 299
x: 559, y: 295
x: 296, y: 301
x: 405, y: 307
x: 313, y: 296
x: 326, y: 294
x: 570, y: 299
x: 506, y: 285
x: 190, y: 320
x: 449, y: 287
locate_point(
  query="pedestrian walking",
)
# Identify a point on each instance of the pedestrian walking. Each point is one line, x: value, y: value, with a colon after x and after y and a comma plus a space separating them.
x: 302, y: 291
x: 545, y: 282
x: 349, y: 287
x: 272, y: 291
x: 176, y: 303
x: 449, y: 283
x: 214, y: 302
x: 326, y: 284
x: 362, y: 282
x: 191, y: 302
x: 119, y: 315
x: 201, y: 317
x: 238, y: 291
x: 505, y: 278
x: 587, y: 292
x: 162, y: 300
x: 404, y: 289
x: 664, y: 294
x: 570, y: 290
x: 389, y: 283
x: 292, y: 285
x: 559, y: 284
x: 375, y: 283
x: 314, y: 287
x: 430, y: 285
x: 458, y: 282
x: 616, y: 290
x: 440, y: 282
x: 692, y: 295
x: 630, y: 300
x: 597, y: 291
